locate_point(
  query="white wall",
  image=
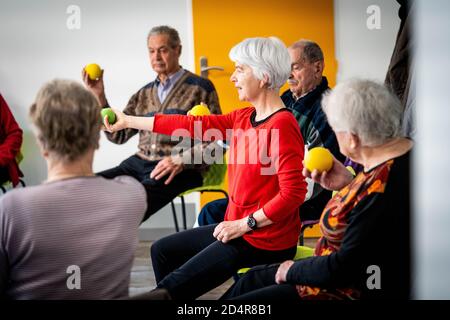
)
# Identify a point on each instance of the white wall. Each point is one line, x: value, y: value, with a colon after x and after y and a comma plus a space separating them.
x: 432, y: 156
x: 37, y: 46
x: 361, y: 52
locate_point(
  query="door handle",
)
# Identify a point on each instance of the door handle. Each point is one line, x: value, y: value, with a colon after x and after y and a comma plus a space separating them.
x: 204, y: 69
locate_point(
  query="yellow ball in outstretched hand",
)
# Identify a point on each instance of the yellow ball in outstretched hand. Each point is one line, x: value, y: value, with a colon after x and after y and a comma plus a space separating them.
x: 199, y: 110
x: 93, y: 70
x: 319, y: 158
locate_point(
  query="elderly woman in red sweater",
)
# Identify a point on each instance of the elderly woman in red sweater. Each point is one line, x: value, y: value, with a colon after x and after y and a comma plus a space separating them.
x: 265, y: 181
x: 10, y: 142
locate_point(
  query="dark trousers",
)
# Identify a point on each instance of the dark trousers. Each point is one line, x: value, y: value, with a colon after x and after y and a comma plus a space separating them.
x: 158, y: 194
x: 191, y: 263
x: 259, y: 284
x: 4, y: 175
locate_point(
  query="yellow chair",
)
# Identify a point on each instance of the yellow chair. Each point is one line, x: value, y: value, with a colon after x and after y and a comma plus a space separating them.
x: 212, y: 182
x: 302, y: 253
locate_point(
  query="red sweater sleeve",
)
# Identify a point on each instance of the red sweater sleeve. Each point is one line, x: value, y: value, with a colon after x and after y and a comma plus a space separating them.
x: 291, y: 182
x: 10, y: 135
x: 194, y: 126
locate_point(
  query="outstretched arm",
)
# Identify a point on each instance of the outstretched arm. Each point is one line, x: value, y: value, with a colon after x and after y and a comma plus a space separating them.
x: 124, y: 121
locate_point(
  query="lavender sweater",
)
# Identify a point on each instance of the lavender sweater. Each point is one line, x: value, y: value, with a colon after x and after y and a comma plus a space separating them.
x: 70, y: 239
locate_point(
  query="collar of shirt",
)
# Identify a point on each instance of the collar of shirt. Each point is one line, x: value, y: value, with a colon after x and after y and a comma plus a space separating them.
x: 303, y: 95
x: 164, y: 89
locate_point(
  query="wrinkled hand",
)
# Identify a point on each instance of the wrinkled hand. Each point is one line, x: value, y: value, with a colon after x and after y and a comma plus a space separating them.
x: 168, y: 166
x: 120, y: 124
x: 334, y: 179
x: 229, y: 230
x: 97, y: 87
x: 280, y: 276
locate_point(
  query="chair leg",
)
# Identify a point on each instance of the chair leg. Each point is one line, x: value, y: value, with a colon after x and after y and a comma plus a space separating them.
x: 183, y: 211
x: 301, y: 238
x: 175, y: 220
x: 3, y: 189
x: 301, y: 241
x: 22, y: 182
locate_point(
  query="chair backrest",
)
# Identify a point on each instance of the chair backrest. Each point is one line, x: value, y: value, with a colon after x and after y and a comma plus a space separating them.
x: 215, y: 175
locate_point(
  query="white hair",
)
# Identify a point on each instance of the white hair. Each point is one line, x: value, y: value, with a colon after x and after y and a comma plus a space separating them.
x: 365, y: 108
x: 265, y: 56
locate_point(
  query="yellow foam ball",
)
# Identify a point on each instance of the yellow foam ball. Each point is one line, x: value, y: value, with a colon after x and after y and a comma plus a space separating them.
x: 199, y: 110
x: 318, y: 158
x: 93, y: 70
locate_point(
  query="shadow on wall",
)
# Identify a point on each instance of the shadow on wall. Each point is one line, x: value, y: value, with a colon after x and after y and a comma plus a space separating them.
x: 33, y: 164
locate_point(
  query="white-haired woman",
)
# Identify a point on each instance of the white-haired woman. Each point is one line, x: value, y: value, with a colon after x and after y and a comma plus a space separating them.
x: 261, y: 223
x: 364, y: 250
x: 68, y: 238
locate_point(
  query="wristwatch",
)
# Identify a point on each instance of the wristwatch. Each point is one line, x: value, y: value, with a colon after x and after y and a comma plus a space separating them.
x: 251, y: 222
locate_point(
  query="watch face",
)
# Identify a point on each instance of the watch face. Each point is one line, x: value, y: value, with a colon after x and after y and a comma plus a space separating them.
x: 251, y: 222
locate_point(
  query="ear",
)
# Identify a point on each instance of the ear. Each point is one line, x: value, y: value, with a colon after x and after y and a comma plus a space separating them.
x: 354, y: 141
x: 40, y: 144
x: 264, y: 83
x: 179, y: 50
x: 318, y: 67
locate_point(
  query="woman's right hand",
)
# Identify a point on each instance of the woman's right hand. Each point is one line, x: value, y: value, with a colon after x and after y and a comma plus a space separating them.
x: 120, y: 124
x: 334, y: 179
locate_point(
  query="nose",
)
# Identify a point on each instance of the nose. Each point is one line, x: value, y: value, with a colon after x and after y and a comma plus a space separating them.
x: 291, y: 75
x: 233, y: 77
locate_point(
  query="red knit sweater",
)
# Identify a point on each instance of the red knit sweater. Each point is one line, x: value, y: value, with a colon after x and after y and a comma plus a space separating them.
x: 10, y: 142
x: 274, y: 183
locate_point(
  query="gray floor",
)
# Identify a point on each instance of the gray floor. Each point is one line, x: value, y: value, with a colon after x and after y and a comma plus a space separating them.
x: 143, y: 279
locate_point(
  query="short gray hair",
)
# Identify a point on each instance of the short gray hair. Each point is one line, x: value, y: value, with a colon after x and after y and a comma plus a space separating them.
x: 67, y: 118
x: 265, y: 56
x: 174, y: 37
x: 365, y: 108
x: 310, y: 51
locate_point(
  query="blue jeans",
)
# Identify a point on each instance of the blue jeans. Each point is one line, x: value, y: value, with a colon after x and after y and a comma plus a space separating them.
x: 190, y: 263
x: 213, y: 212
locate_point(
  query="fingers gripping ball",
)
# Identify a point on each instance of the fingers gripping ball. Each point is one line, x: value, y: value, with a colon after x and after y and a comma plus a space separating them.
x: 199, y: 110
x: 93, y: 70
x: 110, y: 113
x: 318, y: 158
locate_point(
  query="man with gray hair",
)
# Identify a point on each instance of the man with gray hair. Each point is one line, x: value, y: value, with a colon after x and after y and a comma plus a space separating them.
x: 304, y: 97
x: 175, y: 90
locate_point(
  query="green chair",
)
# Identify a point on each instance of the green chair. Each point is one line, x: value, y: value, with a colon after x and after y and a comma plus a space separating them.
x: 212, y: 182
x: 302, y: 253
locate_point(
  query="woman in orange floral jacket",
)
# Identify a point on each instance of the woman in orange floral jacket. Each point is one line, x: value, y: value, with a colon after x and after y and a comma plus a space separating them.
x: 365, y: 248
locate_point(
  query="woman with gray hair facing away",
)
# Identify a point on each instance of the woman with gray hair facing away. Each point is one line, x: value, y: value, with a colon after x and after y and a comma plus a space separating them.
x: 365, y: 248
x: 69, y: 238
x: 261, y: 222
